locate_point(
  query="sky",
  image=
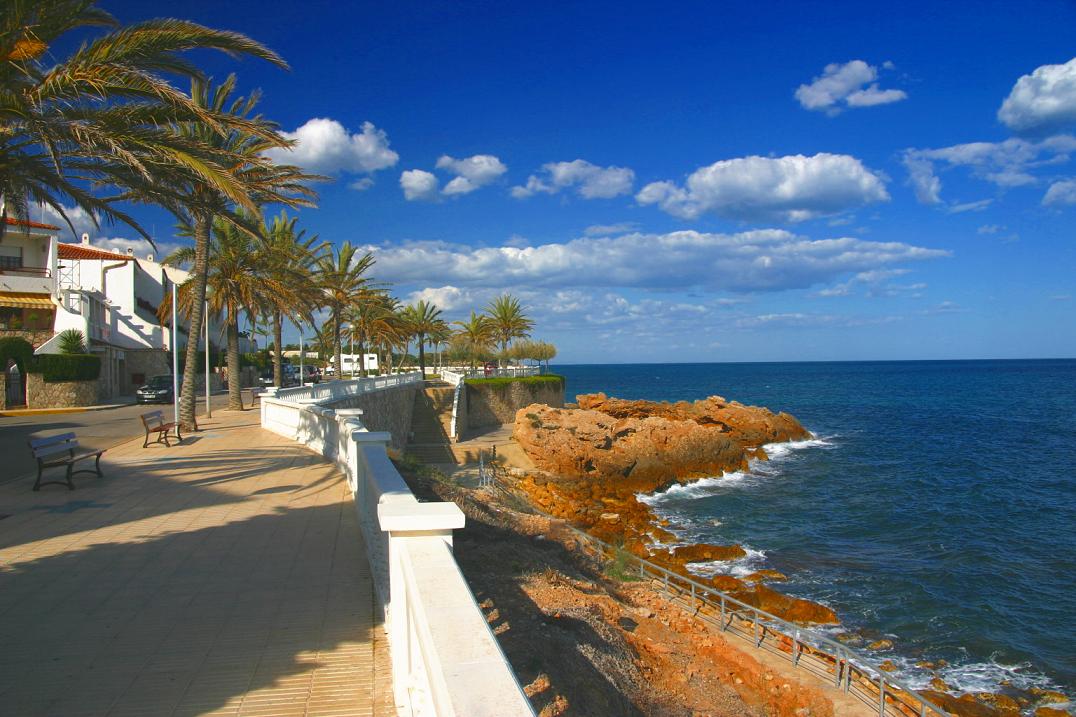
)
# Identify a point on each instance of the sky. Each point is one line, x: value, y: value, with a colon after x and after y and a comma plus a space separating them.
x: 690, y: 181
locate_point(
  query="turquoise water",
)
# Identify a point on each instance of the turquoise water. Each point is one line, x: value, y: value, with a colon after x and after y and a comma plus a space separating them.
x: 937, y: 505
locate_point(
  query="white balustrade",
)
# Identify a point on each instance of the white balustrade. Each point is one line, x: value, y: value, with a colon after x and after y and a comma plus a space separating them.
x: 445, y: 659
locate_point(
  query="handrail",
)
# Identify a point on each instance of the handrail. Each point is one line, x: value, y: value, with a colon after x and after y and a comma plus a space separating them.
x: 849, y: 667
x: 456, y: 377
x: 335, y: 390
x: 31, y: 270
x: 457, y: 396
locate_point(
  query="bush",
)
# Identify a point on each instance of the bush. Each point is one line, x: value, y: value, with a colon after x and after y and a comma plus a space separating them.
x: 72, y: 342
x: 66, y: 367
x: 503, y: 381
x: 14, y: 347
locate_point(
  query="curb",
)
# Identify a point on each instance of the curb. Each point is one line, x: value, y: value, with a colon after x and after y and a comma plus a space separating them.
x: 46, y: 411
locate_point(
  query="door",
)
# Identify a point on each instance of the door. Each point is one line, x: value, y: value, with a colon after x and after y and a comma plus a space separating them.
x: 15, y: 394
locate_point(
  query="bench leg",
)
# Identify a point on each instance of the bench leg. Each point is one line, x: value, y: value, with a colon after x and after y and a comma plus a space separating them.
x: 37, y: 483
x: 145, y: 443
x: 97, y: 466
x: 70, y: 483
x: 163, y: 435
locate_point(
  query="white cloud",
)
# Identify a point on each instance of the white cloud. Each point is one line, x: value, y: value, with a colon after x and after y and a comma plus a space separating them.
x: 471, y: 173
x: 876, y: 283
x: 324, y: 145
x: 1044, y: 101
x: 791, y: 188
x: 418, y: 184
x: 446, y: 298
x: 1061, y: 193
x: 600, y: 230
x: 83, y: 223
x: 79, y: 218
x: 976, y: 206
x: 761, y: 260
x: 990, y: 229
x: 1005, y: 164
x: 361, y: 185
x: 139, y: 246
x: 589, y: 180
x: 849, y: 85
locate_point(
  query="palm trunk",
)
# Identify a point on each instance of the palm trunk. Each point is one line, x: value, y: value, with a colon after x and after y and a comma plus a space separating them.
x: 337, y: 362
x: 422, y: 354
x: 278, y: 354
x: 362, y: 357
x: 194, y: 329
x: 235, y: 385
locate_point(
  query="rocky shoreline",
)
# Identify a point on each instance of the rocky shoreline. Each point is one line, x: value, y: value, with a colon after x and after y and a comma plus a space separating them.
x: 594, y: 460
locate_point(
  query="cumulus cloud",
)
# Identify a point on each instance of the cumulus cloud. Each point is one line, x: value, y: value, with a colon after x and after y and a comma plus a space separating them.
x: 850, y: 85
x: 590, y: 181
x: 761, y: 260
x: 325, y: 146
x: 361, y: 185
x: 1061, y: 193
x: 471, y: 173
x: 990, y: 229
x: 875, y: 283
x: 976, y: 206
x: 418, y: 185
x: 1006, y: 164
x: 1044, y: 101
x: 791, y: 188
x: 80, y: 219
x: 140, y: 247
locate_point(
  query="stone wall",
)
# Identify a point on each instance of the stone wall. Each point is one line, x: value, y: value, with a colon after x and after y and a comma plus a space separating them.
x: 389, y: 410
x: 146, y: 363
x: 36, y: 338
x: 495, y: 404
x: 60, y: 394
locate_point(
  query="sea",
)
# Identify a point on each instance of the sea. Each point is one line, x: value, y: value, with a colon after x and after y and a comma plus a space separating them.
x: 935, y: 506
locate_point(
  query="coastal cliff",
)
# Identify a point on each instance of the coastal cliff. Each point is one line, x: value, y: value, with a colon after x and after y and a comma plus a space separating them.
x: 596, y: 458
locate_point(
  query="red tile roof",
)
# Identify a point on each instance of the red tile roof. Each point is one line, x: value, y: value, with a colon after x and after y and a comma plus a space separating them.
x: 82, y: 251
x: 12, y: 221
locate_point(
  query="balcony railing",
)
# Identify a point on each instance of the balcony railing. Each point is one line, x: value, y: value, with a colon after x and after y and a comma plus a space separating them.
x: 26, y: 271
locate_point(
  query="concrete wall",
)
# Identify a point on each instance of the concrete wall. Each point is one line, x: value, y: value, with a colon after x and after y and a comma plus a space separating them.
x: 60, y: 394
x: 486, y: 405
x: 389, y: 410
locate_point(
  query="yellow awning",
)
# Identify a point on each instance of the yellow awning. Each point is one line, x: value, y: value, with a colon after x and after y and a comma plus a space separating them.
x: 26, y: 300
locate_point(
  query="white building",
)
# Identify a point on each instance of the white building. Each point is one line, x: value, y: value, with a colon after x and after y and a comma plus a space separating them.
x: 348, y: 362
x: 28, y: 280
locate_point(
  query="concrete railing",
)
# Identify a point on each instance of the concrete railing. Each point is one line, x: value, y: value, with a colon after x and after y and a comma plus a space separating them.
x: 330, y: 391
x: 445, y: 659
x: 455, y: 376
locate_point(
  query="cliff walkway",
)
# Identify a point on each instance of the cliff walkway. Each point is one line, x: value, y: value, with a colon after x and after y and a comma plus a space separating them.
x: 430, y: 424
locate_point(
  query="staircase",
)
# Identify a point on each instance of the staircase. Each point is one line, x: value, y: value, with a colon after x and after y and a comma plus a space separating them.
x: 430, y: 424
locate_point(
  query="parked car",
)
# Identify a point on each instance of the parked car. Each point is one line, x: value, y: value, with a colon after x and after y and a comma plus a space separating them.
x: 311, y: 373
x: 157, y: 390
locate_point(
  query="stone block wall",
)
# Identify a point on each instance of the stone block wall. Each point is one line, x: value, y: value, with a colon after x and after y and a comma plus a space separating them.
x: 389, y: 410
x: 496, y: 404
x: 60, y: 394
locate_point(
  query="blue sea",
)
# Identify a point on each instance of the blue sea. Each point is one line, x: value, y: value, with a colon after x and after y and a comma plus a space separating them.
x: 936, y: 506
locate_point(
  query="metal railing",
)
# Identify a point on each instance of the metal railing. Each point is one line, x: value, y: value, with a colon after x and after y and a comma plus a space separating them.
x: 26, y: 270
x: 455, y: 376
x: 335, y: 390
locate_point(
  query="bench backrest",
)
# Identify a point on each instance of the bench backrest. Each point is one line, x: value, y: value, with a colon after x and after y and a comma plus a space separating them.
x: 51, y: 445
x: 153, y: 419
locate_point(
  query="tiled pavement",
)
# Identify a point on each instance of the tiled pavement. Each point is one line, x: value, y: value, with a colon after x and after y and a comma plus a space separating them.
x: 225, y: 576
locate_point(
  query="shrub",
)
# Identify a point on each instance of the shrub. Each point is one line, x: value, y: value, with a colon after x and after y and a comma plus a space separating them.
x: 15, y: 347
x: 66, y: 367
x: 72, y: 342
x: 504, y: 381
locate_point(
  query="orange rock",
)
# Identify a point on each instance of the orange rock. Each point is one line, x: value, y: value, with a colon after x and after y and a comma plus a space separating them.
x: 1050, y: 712
x: 760, y: 576
x: 966, y: 706
x: 797, y: 610
x: 727, y: 583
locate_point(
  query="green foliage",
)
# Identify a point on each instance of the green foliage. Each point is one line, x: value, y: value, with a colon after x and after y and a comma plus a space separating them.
x: 619, y: 566
x: 262, y: 360
x: 15, y: 347
x: 66, y: 367
x: 72, y: 342
x: 501, y: 382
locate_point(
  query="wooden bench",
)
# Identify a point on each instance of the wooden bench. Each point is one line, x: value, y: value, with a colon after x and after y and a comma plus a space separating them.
x: 61, y: 450
x: 154, y: 422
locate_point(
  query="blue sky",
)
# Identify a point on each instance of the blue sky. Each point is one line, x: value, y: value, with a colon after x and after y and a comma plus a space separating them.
x: 693, y: 181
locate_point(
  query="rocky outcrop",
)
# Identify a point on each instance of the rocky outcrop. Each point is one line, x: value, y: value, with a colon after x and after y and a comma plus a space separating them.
x: 596, y: 458
x: 751, y: 426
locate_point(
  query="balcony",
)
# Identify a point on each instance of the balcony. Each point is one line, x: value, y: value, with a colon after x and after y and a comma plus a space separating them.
x: 30, y: 279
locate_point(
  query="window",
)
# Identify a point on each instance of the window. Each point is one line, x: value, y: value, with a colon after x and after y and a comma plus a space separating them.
x: 10, y: 257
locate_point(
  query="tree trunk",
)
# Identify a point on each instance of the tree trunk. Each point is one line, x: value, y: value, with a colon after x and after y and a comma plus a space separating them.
x: 199, y: 274
x: 337, y: 362
x: 362, y: 356
x: 278, y: 353
x: 235, y: 386
x: 422, y: 354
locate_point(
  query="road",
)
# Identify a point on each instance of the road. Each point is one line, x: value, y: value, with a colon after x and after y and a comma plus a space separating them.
x: 95, y: 429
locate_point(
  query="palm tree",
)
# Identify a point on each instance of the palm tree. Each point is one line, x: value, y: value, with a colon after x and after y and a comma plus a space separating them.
x: 237, y: 283
x: 290, y: 258
x: 104, y: 113
x: 388, y: 332
x: 424, y: 319
x: 340, y: 274
x: 369, y: 320
x: 250, y: 180
x: 475, y: 336
x: 509, y: 322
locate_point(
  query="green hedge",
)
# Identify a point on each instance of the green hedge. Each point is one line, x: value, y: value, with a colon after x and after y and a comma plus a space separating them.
x: 14, y: 347
x: 502, y: 381
x: 66, y: 367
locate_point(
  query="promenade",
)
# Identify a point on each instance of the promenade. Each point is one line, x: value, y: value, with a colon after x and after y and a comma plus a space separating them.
x: 225, y: 576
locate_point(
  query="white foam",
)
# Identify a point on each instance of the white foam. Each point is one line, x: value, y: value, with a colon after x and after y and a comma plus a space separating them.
x: 777, y: 451
x: 974, y: 676
x: 739, y: 568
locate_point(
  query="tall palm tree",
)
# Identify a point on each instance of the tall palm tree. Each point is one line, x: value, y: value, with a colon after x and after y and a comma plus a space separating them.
x: 369, y: 320
x: 389, y: 332
x: 103, y: 113
x: 474, y: 336
x: 341, y: 275
x: 424, y: 319
x: 290, y: 258
x: 509, y: 322
x: 249, y: 181
x: 237, y: 283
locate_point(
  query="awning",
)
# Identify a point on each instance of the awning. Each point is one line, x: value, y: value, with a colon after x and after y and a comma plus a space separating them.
x: 26, y: 300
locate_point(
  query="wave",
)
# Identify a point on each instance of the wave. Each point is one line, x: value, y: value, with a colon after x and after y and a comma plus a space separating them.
x: 975, y: 676
x: 739, y: 568
x: 756, y: 468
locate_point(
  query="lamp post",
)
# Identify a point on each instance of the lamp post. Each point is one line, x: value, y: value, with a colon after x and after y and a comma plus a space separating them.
x: 175, y: 357
x: 302, y: 350
x: 208, y: 405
